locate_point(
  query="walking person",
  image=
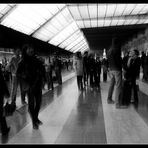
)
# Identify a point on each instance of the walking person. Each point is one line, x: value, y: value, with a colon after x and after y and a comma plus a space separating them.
x: 49, y: 79
x: 86, y: 67
x: 32, y: 71
x: 97, y: 72
x: 58, y: 69
x: 91, y: 70
x: 4, y: 92
x: 12, y: 67
x: 115, y: 70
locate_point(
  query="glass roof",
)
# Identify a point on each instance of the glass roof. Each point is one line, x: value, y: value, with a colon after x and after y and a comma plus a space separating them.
x: 60, y: 24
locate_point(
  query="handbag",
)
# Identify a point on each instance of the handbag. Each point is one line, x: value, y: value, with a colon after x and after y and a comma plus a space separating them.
x: 9, y: 109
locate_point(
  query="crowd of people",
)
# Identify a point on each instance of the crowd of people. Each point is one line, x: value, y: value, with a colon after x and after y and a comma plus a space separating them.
x: 31, y: 73
x: 123, y: 72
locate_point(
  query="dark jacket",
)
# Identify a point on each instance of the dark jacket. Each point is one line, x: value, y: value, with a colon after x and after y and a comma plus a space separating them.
x: 3, y: 87
x: 114, y: 59
x: 32, y: 71
x: 132, y: 71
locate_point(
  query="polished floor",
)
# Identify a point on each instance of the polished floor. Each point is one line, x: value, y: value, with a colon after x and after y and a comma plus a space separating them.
x: 71, y: 116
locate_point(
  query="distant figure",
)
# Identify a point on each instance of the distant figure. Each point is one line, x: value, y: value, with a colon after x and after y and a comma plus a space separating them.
x: 97, y: 72
x: 32, y: 71
x: 105, y: 69
x: 58, y: 69
x: 49, y: 70
x: 115, y: 70
x: 78, y: 67
x: 91, y: 70
x: 86, y: 67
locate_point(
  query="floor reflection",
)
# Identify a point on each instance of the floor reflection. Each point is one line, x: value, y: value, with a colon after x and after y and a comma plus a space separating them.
x: 87, y: 106
x: 142, y: 106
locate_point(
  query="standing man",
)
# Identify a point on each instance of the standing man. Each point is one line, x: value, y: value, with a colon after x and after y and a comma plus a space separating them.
x: 115, y: 67
x: 58, y: 69
x: 86, y: 67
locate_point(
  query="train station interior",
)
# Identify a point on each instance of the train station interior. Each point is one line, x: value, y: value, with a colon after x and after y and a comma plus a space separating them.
x: 70, y: 115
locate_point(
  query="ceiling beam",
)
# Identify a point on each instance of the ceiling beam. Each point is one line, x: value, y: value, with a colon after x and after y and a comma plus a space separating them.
x: 8, y: 12
x: 48, y: 21
x: 138, y: 16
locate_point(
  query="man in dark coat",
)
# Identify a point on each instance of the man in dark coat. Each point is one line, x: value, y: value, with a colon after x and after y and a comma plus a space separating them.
x: 32, y: 71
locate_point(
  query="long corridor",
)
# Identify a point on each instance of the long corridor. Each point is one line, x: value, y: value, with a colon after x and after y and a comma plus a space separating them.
x: 70, y: 116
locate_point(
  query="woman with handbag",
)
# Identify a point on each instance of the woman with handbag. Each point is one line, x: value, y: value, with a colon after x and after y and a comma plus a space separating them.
x: 3, y: 93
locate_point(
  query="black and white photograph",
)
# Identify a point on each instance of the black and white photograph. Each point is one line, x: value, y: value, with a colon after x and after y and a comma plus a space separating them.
x: 73, y: 73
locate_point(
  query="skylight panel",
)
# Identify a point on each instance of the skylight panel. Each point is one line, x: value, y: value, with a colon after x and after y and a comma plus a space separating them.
x: 101, y: 10
x: 127, y: 21
x: 67, y: 15
x: 54, y: 22
x: 43, y: 10
x: 100, y: 23
x: 80, y: 24
x: 141, y: 21
x: 121, y: 22
x: 16, y: 21
x: 138, y: 8
x: 28, y: 11
x: 110, y: 10
x: 129, y: 8
x: 62, y: 20
x: 78, y: 45
x: 75, y: 12
x: 144, y: 9
x: 107, y: 22
x: 134, y: 21
x: 52, y: 8
x: 64, y: 33
x: 4, y: 8
x: 80, y: 48
x: 92, y: 10
x: 60, y: 5
x: 71, y: 39
x: 84, y: 11
x: 87, y: 23
x: 93, y: 23
x: 84, y: 49
x: 26, y: 17
x: 75, y: 42
x: 146, y: 21
x: 119, y: 10
x: 42, y: 36
x: 114, y: 22
x: 48, y: 29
